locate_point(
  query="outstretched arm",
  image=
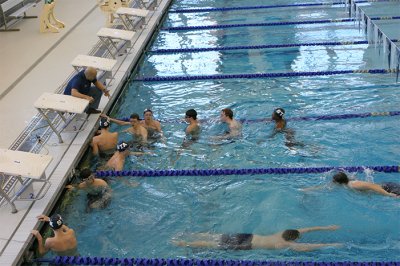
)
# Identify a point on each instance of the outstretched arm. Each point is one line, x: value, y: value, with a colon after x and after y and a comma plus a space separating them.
x: 117, y: 121
x: 318, y: 228
x: 309, y: 247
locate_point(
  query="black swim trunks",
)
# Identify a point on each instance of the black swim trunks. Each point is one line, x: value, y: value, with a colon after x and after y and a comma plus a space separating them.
x: 236, y: 241
x: 392, y: 187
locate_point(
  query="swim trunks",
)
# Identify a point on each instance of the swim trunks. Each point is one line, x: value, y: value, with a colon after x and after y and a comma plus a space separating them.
x: 236, y: 241
x: 99, y: 200
x: 392, y: 187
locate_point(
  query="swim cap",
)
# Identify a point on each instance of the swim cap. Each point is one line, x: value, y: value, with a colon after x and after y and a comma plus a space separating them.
x: 104, y: 122
x: 147, y: 110
x: 122, y: 146
x: 56, y: 221
x: 279, y: 111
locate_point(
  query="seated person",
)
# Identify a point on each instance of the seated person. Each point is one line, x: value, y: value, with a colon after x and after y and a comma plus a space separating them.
x: 80, y: 86
x: 387, y: 189
x: 98, y: 191
x: 136, y: 129
x: 153, y: 126
x: 106, y: 140
x: 64, y: 241
x: 235, y: 127
x: 280, y: 240
x: 193, y: 129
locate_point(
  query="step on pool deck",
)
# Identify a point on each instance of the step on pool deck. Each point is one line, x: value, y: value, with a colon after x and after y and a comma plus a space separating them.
x: 34, y: 63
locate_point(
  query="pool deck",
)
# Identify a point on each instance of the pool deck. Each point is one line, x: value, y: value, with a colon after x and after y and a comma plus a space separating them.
x: 34, y: 63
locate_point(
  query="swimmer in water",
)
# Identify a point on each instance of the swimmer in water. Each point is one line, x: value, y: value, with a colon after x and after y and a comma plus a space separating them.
x: 136, y: 129
x: 153, y: 126
x: 387, y: 189
x: 106, y: 141
x: 280, y: 240
x: 278, y: 116
x: 193, y: 129
x: 235, y: 127
x: 64, y: 241
x: 98, y: 191
x: 117, y: 161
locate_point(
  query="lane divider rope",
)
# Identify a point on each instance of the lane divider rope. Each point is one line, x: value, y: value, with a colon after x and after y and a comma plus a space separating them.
x: 252, y: 47
x: 265, y: 75
x: 267, y: 24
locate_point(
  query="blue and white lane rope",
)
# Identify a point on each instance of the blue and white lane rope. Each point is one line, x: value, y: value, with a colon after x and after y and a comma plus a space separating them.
x: 223, y: 9
x: 70, y: 260
x: 252, y: 47
x: 267, y: 24
x: 246, y: 171
x: 264, y: 75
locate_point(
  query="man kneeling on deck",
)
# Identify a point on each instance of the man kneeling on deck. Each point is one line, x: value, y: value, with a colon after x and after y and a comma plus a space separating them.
x: 80, y: 86
x: 64, y: 241
x: 98, y: 192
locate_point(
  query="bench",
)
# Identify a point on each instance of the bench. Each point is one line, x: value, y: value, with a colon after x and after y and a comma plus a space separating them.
x: 20, y: 13
x: 128, y: 15
x: 28, y: 168
x: 100, y: 63
x: 109, y: 37
x: 148, y: 4
x: 59, y: 104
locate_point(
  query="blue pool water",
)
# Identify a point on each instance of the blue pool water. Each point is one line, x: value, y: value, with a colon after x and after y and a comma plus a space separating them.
x: 141, y: 221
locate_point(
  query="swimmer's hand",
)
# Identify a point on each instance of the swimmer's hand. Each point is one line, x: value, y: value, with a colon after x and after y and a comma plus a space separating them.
x: 104, y: 115
x: 69, y: 187
x: 36, y: 234
x: 332, y: 227
x: 43, y: 218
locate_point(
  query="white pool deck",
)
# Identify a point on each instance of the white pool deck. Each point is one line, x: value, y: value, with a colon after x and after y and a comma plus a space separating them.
x: 33, y: 63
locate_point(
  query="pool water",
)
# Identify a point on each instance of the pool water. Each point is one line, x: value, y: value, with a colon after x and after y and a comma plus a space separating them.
x: 141, y: 221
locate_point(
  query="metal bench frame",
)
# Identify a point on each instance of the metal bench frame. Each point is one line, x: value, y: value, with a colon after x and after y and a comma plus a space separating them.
x: 17, y: 15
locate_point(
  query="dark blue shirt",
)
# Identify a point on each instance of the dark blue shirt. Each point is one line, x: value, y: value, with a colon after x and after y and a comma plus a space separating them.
x: 80, y: 83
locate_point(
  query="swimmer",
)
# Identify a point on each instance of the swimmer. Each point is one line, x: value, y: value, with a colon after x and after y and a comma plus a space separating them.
x: 278, y: 115
x: 117, y: 161
x: 98, y: 192
x: 153, y: 126
x: 387, y: 189
x: 136, y: 129
x: 235, y: 127
x: 106, y: 141
x: 193, y: 129
x: 280, y: 240
x: 64, y: 241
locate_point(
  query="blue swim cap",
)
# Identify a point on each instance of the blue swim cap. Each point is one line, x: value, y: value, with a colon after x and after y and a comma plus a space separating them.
x: 122, y: 146
x: 56, y: 221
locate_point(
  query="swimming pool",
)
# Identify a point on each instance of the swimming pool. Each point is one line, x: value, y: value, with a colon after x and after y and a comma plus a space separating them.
x: 141, y: 221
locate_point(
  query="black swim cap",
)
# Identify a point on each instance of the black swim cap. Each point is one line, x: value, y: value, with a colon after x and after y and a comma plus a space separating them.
x: 104, y: 122
x: 279, y: 112
x: 122, y: 146
x: 56, y: 221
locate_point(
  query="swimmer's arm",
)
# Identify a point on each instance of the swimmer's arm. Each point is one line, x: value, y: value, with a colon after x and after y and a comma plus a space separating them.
x: 78, y: 186
x: 309, y: 247
x: 139, y: 153
x: 116, y: 121
x: 312, y: 188
x: 318, y: 228
x: 42, y: 249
